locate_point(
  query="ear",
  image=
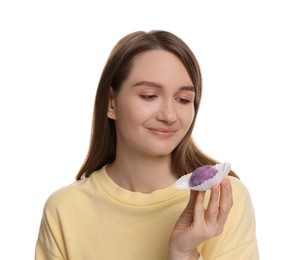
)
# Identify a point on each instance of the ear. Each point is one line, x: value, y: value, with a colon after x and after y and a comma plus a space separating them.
x: 111, y: 105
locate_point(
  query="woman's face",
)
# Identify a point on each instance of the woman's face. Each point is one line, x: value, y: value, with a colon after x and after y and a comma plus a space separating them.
x: 154, y: 108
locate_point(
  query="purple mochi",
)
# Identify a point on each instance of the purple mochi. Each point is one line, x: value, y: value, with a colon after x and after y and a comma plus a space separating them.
x: 202, y: 174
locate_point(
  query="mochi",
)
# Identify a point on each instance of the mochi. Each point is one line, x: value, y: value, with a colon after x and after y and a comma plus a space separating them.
x: 202, y: 174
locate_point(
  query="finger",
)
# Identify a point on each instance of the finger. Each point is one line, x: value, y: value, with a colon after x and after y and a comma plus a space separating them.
x: 199, y: 209
x: 188, y: 215
x: 225, y: 202
x: 192, y: 199
x: 212, y: 210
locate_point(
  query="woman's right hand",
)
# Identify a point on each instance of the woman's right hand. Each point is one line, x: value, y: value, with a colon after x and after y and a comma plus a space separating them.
x: 197, y: 224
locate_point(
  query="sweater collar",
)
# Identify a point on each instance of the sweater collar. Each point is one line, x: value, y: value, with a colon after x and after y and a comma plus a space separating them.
x: 139, y: 199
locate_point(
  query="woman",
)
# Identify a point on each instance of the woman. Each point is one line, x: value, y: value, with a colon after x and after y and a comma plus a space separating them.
x: 124, y: 204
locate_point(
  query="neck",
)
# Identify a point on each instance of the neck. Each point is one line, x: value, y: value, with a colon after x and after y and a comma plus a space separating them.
x: 143, y: 174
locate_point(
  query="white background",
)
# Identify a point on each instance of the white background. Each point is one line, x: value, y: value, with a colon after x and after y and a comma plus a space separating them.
x: 51, y: 57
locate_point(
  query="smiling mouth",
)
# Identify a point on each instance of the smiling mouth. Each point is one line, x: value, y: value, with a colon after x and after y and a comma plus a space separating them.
x: 162, y: 132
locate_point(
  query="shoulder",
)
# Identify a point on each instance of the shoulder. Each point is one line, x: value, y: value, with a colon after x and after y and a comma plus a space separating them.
x: 69, y: 196
x: 241, y: 195
x: 240, y: 191
x: 243, y: 208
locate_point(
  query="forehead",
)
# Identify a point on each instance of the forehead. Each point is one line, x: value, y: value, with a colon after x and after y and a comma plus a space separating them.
x: 159, y: 64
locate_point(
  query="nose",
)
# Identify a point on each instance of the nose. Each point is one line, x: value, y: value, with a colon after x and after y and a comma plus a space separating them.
x: 167, y: 112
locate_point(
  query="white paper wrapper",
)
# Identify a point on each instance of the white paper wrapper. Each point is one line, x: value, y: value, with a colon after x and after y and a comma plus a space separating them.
x: 223, y: 170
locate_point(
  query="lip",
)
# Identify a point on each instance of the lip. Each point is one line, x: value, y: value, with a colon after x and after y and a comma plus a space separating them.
x: 162, y: 132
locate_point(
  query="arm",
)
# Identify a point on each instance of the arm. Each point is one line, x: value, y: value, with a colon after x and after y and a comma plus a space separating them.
x: 197, y: 224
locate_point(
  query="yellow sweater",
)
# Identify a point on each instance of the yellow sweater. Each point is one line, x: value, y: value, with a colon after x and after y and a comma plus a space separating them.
x: 95, y: 219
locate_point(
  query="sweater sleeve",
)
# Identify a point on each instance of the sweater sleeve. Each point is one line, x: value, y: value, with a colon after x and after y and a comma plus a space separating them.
x: 43, y: 253
x: 50, y: 242
x: 238, y: 239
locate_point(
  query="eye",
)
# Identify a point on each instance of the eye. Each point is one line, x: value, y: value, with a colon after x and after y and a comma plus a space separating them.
x: 183, y: 101
x: 149, y: 97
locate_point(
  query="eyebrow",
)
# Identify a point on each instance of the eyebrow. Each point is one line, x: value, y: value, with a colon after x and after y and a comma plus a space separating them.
x: 156, y: 85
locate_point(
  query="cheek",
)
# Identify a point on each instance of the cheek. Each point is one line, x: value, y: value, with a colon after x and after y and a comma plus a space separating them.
x: 187, y: 117
x: 142, y: 111
x: 132, y: 113
x: 189, y: 123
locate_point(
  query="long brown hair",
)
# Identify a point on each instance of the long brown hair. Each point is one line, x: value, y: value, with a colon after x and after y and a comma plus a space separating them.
x: 187, y: 156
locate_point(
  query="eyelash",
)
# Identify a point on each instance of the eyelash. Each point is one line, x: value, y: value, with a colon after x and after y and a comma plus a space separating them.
x: 148, y: 97
x: 183, y: 101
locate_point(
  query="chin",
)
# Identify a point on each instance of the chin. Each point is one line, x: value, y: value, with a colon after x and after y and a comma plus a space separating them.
x: 161, y: 152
